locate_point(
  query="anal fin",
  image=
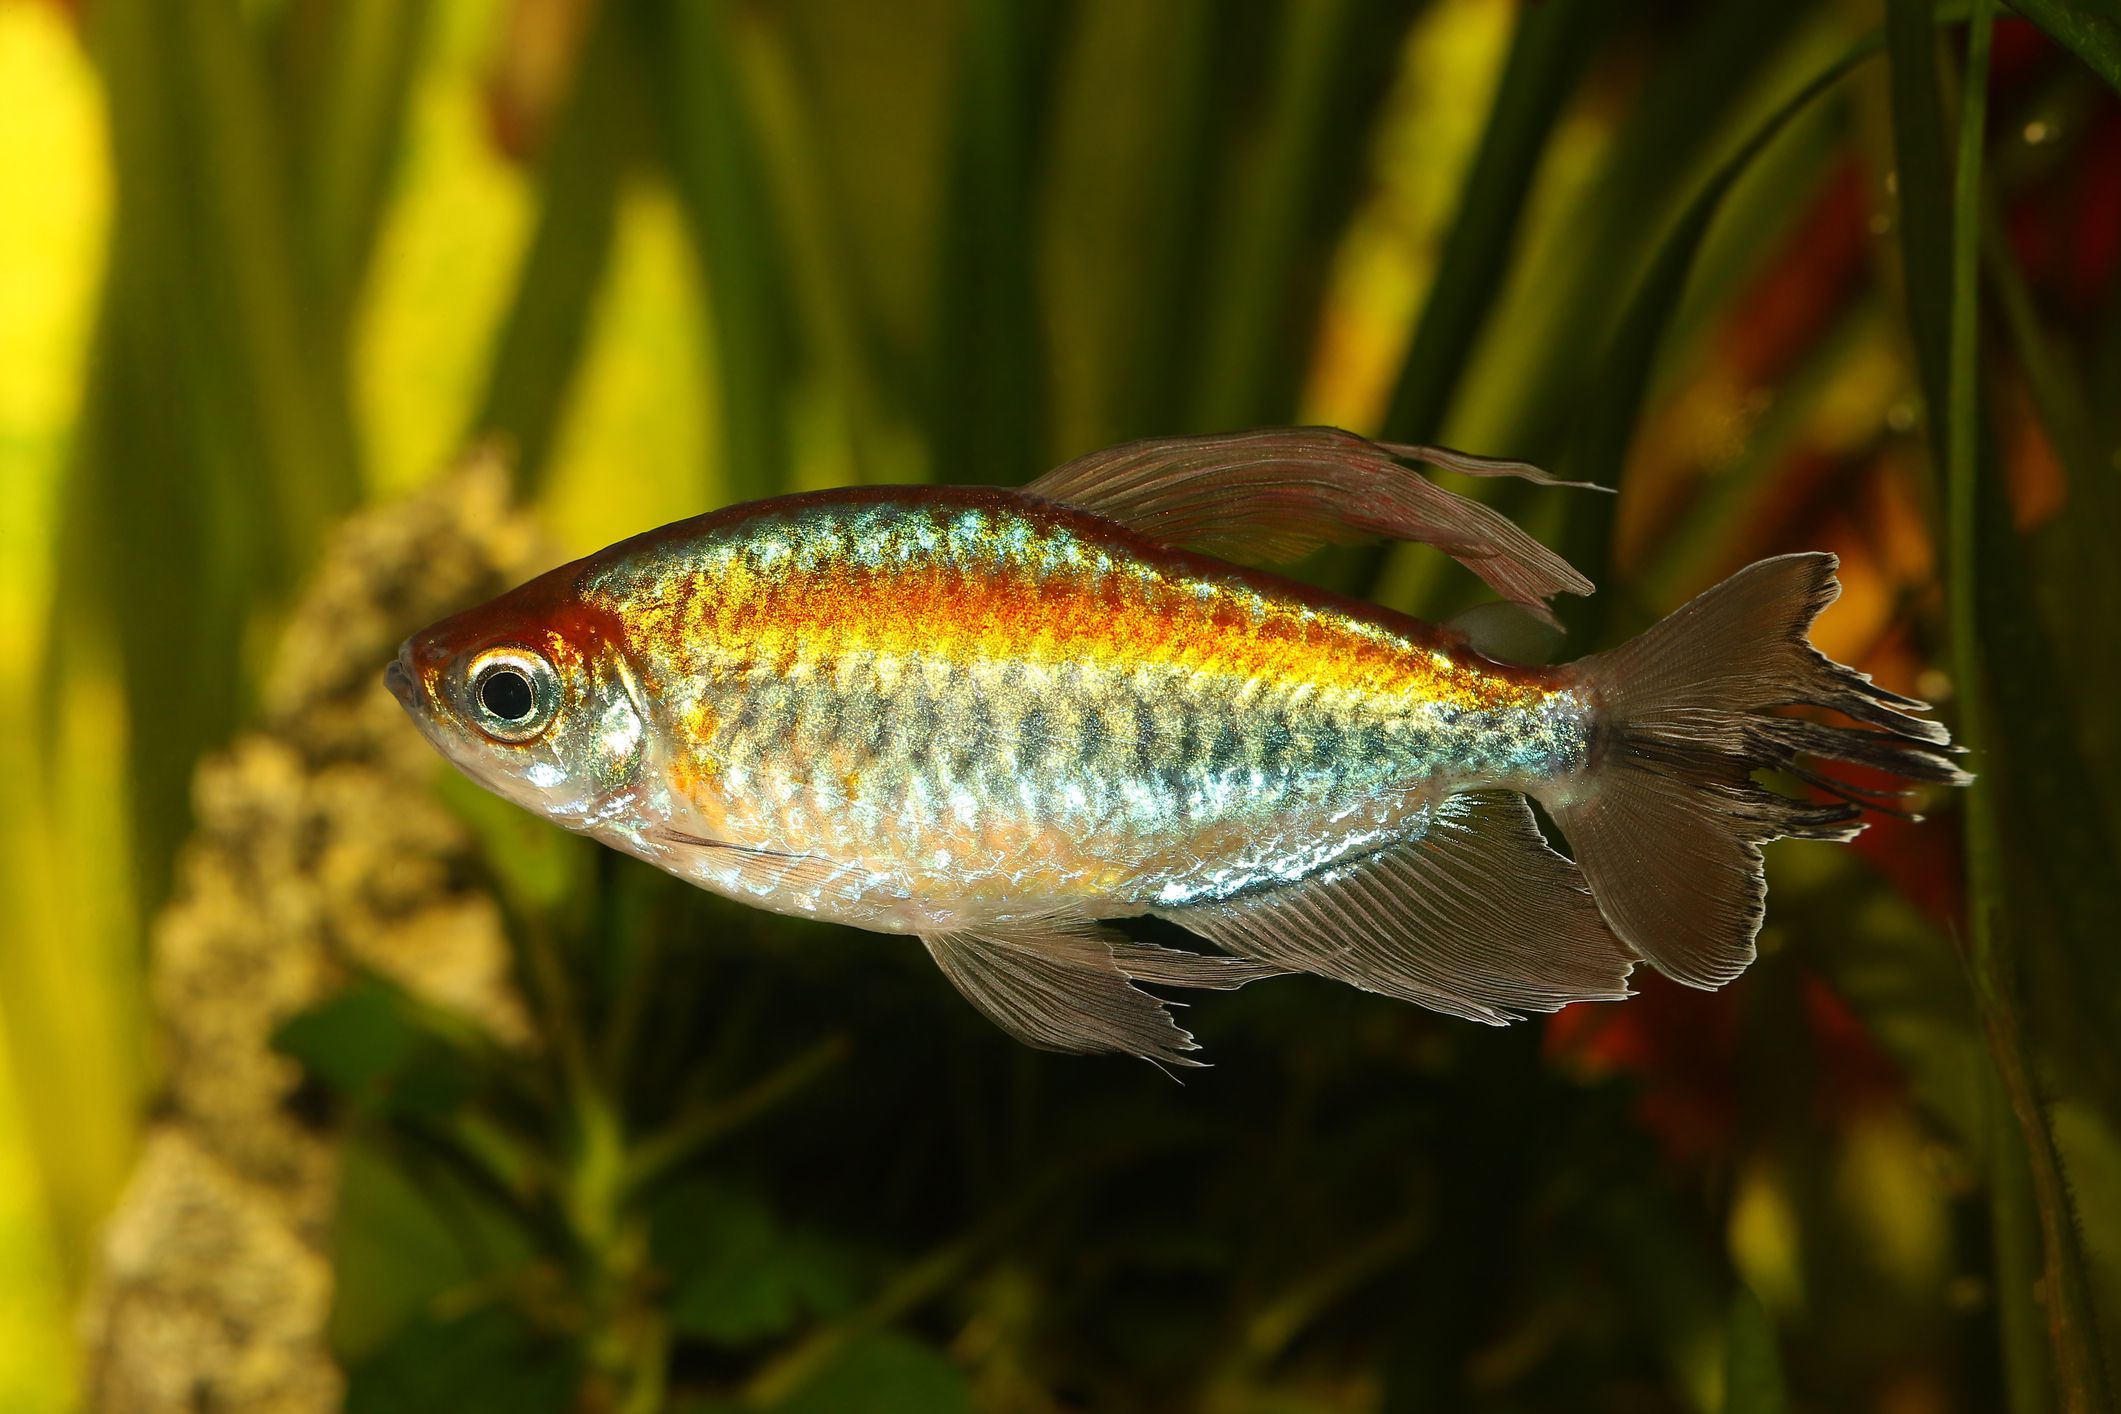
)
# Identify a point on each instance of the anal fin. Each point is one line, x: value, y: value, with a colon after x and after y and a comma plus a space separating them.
x: 1477, y: 917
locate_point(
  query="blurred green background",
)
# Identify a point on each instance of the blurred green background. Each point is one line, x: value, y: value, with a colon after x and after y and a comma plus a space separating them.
x: 325, y: 1079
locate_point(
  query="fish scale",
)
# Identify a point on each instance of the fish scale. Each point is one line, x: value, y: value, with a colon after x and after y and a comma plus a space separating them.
x: 1059, y: 762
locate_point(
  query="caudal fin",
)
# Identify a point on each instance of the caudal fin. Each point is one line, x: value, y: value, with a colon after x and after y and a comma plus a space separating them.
x: 1667, y: 822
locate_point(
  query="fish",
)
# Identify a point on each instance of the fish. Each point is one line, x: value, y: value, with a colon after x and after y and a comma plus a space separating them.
x: 1003, y: 720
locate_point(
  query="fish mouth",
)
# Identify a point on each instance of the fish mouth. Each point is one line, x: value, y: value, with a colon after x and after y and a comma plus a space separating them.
x: 399, y: 679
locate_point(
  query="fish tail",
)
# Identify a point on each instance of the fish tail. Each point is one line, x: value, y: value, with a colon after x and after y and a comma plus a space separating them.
x: 1666, y: 822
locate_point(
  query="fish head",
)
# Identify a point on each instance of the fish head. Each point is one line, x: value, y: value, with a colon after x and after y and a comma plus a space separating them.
x: 531, y: 696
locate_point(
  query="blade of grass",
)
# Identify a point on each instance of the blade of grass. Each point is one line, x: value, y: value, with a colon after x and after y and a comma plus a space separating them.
x: 241, y: 224
x: 215, y: 447
x: 669, y: 1149
x: 1291, y: 197
x: 987, y: 414
x: 1551, y: 47
x: 1758, y: 57
x: 539, y: 345
x: 875, y: 84
x: 1698, y: 83
x: 1695, y: 547
x: 1752, y: 1369
x: 353, y: 76
x: 2030, y: 1175
x: 2015, y: 1247
x: 1630, y: 360
x: 1277, y: 1321
x: 1779, y: 197
x: 1992, y: 940
x: 203, y: 249
x: 1172, y: 211
x: 70, y: 967
x: 918, y: 1282
x: 2090, y: 31
x: 211, y: 451
x: 822, y: 275
x: 2073, y: 574
x: 2062, y: 889
x: 1923, y: 178
x: 1549, y: 50
x: 2081, y: 575
x: 714, y: 162
x: 1142, y: 101
x: 2103, y: 366
x: 1528, y: 381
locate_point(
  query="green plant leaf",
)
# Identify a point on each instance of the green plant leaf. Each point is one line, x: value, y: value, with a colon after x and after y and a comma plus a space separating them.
x: 1752, y: 1368
x: 882, y: 1373
x: 1548, y: 53
x: 1142, y: 109
x: 488, y: 1361
x: 539, y: 344
x: 215, y: 251
x: 1282, y: 206
x: 348, y: 80
x: 1997, y: 674
x: 1922, y: 175
x: 541, y: 870
x: 366, y: 1044
x: 402, y: 1241
x: 353, y: 1041
x: 824, y: 275
x: 713, y: 159
x: 215, y: 444
x: 2091, y: 31
x: 987, y: 414
x: 737, y: 1275
x: 1897, y: 971
x: 2071, y: 555
x: 1699, y: 78
x: 1630, y: 360
x: 2015, y: 1256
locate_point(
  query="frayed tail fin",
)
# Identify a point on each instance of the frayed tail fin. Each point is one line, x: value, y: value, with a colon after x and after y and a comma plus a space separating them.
x: 1667, y: 822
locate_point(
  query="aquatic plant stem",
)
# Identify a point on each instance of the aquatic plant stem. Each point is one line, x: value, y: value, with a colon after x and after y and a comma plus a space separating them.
x: 624, y: 1337
x: 674, y: 1147
x: 2078, y: 1376
x: 627, y: 1341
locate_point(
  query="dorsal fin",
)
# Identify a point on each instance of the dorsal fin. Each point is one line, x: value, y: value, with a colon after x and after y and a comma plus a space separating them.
x: 1274, y: 495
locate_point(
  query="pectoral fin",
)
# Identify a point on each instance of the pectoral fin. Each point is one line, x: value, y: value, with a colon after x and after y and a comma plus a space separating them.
x: 1272, y: 496
x: 744, y: 871
x: 1065, y: 986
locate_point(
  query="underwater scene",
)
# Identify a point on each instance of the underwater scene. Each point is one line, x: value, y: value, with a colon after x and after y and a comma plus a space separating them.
x: 1247, y: 706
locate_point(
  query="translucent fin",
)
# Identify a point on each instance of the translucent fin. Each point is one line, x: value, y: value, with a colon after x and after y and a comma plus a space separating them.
x: 1173, y: 967
x: 762, y: 874
x: 1272, y: 496
x: 1507, y: 633
x: 1064, y: 986
x: 1668, y: 823
x: 1477, y: 918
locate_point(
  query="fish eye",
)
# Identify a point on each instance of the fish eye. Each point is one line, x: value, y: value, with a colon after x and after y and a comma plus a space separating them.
x: 506, y: 694
x: 514, y: 694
